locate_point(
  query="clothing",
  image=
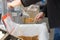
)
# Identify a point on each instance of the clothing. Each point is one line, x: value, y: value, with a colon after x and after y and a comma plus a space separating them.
x: 44, y: 9
x: 56, y: 33
x: 53, y: 10
x: 29, y: 2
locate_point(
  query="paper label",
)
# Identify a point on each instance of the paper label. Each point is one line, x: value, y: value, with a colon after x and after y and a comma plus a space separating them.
x: 8, y: 23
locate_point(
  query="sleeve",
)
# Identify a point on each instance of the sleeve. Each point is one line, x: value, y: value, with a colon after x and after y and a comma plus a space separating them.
x: 29, y: 2
x: 45, y: 10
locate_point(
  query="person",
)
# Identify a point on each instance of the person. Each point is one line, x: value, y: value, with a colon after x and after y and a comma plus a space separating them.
x: 53, y: 12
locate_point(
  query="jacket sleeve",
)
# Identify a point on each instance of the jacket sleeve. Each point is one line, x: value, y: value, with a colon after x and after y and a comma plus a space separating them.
x: 45, y: 10
x: 29, y: 2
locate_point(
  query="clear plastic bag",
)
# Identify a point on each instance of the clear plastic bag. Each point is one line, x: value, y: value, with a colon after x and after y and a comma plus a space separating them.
x: 26, y: 30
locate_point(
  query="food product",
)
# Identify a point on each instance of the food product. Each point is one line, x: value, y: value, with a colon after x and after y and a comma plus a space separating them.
x: 28, y: 37
x: 28, y: 20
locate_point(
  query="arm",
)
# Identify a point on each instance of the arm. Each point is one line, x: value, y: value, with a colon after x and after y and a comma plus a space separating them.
x: 44, y: 10
x: 41, y: 15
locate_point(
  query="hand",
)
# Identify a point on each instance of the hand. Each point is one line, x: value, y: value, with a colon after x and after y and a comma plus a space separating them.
x: 14, y: 3
x: 9, y: 5
x: 39, y: 16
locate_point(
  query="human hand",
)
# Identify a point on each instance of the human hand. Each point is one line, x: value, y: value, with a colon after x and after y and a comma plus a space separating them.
x: 39, y: 16
x: 14, y: 3
x: 9, y: 6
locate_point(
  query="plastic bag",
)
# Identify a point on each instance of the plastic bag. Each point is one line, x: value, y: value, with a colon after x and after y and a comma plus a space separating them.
x: 32, y: 30
x: 27, y: 30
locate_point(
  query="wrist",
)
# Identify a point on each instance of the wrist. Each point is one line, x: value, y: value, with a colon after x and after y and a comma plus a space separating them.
x: 43, y: 13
